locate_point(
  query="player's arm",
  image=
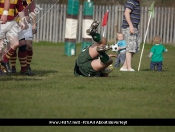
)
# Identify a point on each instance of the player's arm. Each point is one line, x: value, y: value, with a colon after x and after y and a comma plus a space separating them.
x: 5, y: 12
x: 22, y: 21
x: 128, y: 19
x: 112, y: 55
x: 21, y: 13
x: 150, y: 55
x: 123, y: 47
x: 31, y: 9
x: 6, y: 5
x: 165, y: 50
x: 151, y: 52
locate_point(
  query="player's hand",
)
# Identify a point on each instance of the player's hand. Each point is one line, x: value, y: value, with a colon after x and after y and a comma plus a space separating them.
x: 23, y: 25
x: 112, y: 55
x: 131, y: 29
x: 3, y: 19
x: 34, y: 29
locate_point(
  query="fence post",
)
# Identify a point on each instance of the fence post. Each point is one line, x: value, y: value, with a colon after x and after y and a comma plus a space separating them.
x: 87, y: 20
x: 71, y: 27
x: 158, y: 20
x: 173, y: 28
x: 168, y: 26
x: 116, y: 22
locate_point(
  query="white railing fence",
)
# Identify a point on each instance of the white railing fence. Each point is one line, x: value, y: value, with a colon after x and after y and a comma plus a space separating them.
x: 51, y: 23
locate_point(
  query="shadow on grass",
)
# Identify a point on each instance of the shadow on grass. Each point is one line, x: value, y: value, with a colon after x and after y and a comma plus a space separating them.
x: 164, y: 70
x: 145, y: 70
x: 10, y: 78
x: 38, y: 74
x: 42, y: 73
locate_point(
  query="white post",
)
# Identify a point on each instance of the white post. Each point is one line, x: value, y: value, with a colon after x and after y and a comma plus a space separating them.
x: 104, y: 31
x: 144, y: 42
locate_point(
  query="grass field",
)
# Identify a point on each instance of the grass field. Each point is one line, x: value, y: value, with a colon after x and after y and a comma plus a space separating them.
x: 54, y: 92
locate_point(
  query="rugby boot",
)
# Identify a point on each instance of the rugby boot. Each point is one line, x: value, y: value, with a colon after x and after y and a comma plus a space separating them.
x: 2, y: 73
x: 93, y: 28
x: 29, y: 72
x: 6, y: 65
x: 13, y: 70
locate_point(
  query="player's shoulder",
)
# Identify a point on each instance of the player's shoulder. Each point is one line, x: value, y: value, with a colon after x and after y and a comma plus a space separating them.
x: 153, y: 46
x: 132, y: 1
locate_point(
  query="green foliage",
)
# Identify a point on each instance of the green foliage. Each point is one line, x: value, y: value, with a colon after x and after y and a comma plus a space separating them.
x: 56, y: 93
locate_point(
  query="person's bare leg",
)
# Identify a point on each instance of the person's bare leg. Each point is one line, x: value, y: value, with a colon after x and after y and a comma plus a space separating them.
x: 97, y: 65
x: 104, y: 60
x: 98, y: 49
x: 128, y: 60
x: 93, y: 49
x: 125, y: 65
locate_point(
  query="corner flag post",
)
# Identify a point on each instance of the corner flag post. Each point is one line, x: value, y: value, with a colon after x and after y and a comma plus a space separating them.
x: 151, y: 15
x: 104, y: 22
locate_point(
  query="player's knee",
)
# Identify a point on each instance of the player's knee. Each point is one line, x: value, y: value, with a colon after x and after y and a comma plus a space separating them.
x: 29, y: 47
x: 22, y: 48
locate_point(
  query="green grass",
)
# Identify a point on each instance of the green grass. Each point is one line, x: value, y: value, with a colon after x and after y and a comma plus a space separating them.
x: 56, y: 93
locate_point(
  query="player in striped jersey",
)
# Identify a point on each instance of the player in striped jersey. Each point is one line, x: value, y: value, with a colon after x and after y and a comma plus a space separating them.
x: 25, y: 51
x: 29, y: 34
x: 8, y: 30
x: 5, y: 12
x: 3, y: 20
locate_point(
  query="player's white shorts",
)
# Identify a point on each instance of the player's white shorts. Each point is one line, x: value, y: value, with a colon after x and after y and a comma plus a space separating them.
x: 10, y: 29
x: 27, y: 34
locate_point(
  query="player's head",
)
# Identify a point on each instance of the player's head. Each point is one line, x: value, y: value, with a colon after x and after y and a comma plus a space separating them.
x: 104, y: 40
x: 120, y: 36
x: 99, y: 39
x: 157, y: 40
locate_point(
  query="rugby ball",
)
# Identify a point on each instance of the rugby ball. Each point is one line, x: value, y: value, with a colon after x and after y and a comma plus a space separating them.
x: 114, y: 47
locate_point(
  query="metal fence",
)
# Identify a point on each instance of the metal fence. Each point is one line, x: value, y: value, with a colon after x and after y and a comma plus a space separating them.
x: 52, y: 20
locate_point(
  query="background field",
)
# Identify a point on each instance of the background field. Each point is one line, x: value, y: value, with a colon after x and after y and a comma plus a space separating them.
x: 56, y: 93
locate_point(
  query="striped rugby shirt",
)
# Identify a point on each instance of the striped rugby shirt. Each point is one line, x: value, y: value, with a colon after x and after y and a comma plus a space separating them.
x: 14, y: 4
x: 29, y: 6
x: 134, y: 6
